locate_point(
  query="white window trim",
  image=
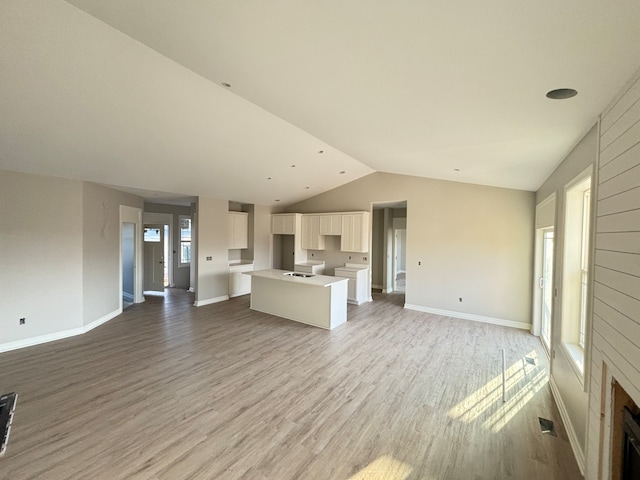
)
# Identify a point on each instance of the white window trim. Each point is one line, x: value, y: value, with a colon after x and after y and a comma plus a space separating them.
x: 575, y: 353
x: 180, y: 263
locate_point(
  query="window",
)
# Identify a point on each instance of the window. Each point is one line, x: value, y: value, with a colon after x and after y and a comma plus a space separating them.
x: 575, y: 282
x: 151, y: 234
x: 584, y: 267
x: 185, y: 240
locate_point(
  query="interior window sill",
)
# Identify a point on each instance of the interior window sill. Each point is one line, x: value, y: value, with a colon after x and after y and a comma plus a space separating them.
x: 575, y: 356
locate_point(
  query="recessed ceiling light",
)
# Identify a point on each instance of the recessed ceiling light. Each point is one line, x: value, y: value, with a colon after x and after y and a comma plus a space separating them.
x: 342, y: 172
x: 225, y: 84
x: 562, y: 93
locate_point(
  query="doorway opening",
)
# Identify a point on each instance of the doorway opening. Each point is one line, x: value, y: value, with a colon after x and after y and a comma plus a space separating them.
x: 130, y: 257
x: 399, y: 259
x: 388, y: 247
x: 546, y: 286
x: 128, y: 263
x: 156, y: 251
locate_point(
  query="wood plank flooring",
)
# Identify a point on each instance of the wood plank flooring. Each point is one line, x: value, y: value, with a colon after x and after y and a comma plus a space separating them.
x: 170, y: 391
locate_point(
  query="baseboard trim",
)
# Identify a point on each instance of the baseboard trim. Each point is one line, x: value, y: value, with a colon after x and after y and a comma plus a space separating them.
x: 469, y: 316
x: 568, y: 426
x: 51, y: 337
x: 101, y: 320
x: 128, y: 297
x: 209, y: 301
x: 378, y: 287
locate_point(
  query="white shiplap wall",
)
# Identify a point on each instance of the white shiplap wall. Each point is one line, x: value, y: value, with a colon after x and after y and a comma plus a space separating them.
x: 616, y: 304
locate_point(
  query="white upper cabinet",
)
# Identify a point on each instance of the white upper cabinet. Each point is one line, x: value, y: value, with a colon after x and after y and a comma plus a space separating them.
x: 311, y: 238
x: 238, y: 230
x: 283, y: 223
x: 355, y: 232
x: 331, y: 224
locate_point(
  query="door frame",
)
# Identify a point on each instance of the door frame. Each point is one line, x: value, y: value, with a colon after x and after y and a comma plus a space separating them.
x: 132, y: 215
x: 150, y: 218
x: 545, y: 220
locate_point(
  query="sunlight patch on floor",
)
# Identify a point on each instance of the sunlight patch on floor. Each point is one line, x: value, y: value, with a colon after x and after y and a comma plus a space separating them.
x: 384, y: 468
x: 522, y: 381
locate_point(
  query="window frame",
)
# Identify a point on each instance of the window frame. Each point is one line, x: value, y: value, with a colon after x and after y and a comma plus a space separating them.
x: 182, y: 242
x: 576, y: 271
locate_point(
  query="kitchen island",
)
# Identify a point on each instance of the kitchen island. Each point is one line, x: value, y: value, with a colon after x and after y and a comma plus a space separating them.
x: 317, y: 300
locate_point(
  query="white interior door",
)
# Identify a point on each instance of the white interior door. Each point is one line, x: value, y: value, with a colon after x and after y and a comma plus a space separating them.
x: 154, y: 258
x: 546, y: 284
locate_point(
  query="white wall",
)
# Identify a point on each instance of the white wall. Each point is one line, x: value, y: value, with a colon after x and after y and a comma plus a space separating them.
x: 472, y: 241
x: 212, y: 281
x: 616, y: 305
x: 40, y: 256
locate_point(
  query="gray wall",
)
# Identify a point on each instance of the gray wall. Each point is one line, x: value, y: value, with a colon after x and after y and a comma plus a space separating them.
x: 212, y: 282
x: 40, y: 255
x: 60, y: 255
x: 101, y: 249
x: 472, y: 241
x: 571, y: 390
x: 181, y: 275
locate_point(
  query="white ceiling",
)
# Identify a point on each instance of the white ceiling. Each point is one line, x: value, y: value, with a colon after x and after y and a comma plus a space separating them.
x: 128, y: 92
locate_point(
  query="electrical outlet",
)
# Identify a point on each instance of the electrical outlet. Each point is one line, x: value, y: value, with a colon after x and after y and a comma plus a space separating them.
x: 23, y: 320
x: 209, y: 259
x: 349, y: 257
x: 312, y: 254
x: 460, y: 298
x: 419, y: 263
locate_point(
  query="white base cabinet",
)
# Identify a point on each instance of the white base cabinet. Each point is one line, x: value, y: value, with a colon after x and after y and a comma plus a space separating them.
x: 239, y: 284
x: 357, y: 290
x: 312, y: 268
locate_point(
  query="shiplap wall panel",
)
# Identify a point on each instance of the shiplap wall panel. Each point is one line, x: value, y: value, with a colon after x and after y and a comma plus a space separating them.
x: 618, y: 261
x: 625, y: 123
x: 620, y: 222
x: 619, y: 281
x: 615, y: 333
x: 624, y: 304
x: 621, y: 202
x: 620, y: 106
x: 619, y: 321
x: 620, y: 183
x: 629, y: 376
x: 620, y: 165
x: 618, y: 242
x: 621, y: 145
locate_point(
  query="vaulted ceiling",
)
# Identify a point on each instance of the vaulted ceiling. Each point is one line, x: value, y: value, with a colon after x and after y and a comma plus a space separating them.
x: 258, y: 101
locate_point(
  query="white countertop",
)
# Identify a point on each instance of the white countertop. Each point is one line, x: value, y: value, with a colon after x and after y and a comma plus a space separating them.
x: 310, y: 263
x: 353, y: 267
x: 234, y: 263
x: 315, y: 281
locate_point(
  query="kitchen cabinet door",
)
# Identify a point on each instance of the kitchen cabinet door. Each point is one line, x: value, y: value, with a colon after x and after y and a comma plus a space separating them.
x: 331, y: 224
x: 311, y: 238
x: 283, y: 224
x: 238, y: 230
x: 355, y: 232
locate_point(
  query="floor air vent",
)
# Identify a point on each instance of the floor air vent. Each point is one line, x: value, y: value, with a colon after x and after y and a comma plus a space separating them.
x: 547, y: 426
